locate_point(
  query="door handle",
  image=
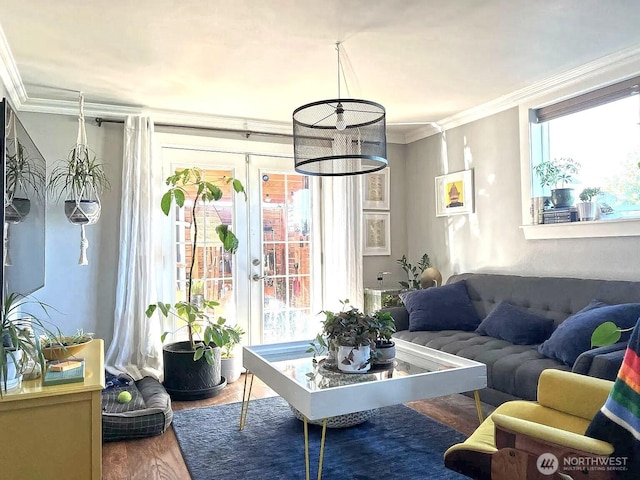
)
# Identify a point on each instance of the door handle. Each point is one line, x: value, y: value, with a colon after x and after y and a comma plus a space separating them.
x: 256, y: 277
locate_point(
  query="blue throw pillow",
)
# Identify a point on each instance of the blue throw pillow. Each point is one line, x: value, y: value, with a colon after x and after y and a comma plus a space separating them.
x: 515, y: 325
x: 573, y: 336
x: 441, y: 308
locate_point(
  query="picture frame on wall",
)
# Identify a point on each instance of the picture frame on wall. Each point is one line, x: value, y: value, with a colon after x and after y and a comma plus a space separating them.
x: 454, y: 193
x: 376, y: 190
x: 377, y: 233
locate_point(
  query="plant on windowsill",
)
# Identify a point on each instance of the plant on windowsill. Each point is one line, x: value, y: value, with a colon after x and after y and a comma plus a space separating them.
x: 587, y: 207
x: 413, y: 271
x: 552, y: 173
x: 192, y: 369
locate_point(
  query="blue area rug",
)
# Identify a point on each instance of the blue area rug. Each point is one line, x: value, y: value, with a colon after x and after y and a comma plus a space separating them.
x: 398, y: 443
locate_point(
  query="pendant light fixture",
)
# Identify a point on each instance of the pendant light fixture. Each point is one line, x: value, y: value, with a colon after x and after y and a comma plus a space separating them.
x: 339, y: 137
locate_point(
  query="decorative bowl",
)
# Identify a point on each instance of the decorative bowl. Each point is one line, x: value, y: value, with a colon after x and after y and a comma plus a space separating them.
x: 60, y: 352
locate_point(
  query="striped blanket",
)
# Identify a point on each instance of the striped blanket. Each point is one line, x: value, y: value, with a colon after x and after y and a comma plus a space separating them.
x: 618, y: 421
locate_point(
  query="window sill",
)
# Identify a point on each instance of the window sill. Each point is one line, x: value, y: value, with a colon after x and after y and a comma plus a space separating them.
x: 628, y: 227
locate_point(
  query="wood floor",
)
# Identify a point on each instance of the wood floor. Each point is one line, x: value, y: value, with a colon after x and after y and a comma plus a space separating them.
x: 159, y: 458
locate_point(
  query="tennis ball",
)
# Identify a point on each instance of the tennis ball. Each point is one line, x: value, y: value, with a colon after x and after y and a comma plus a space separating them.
x: 124, y: 397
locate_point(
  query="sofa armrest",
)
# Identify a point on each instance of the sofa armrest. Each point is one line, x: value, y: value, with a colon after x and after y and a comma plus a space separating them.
x: 400, y: 316
x: 602, y: 362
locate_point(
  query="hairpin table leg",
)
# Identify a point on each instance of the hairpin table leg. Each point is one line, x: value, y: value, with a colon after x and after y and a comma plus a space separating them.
x: 246, y: 396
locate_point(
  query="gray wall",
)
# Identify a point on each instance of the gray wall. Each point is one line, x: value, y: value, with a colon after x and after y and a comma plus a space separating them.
x: 490, y: 239
x: 397, y: 207
x: 83, y: 296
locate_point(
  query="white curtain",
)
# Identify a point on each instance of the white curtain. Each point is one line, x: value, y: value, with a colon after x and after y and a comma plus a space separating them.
x: 136, y: 348
x: 341, y: 204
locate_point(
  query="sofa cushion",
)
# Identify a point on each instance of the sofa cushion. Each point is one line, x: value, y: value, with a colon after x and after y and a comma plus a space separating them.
x: 443, y: 308
x: 573, y: 336
x: 515, y: 325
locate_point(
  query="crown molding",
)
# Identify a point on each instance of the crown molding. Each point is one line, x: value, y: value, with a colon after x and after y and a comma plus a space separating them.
x: 10, y: 75
x: 587, y: 71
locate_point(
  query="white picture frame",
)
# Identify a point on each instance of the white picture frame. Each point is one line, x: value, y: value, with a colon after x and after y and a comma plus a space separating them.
x: 376, y: 233
x: 454, y: 193
x: 375, y: 188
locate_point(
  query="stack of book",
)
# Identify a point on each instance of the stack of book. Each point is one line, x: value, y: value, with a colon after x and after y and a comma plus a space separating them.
x: 560, y: 215
x: 64, y: 371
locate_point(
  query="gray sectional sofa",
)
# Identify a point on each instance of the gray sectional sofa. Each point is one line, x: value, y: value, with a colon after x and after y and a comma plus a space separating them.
x: 513, y: 369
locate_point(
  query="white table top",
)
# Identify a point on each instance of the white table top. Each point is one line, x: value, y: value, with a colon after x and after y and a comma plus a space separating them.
x: 418, y: 373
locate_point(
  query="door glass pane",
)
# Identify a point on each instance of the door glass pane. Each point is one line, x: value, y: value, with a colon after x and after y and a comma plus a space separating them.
x: 212, y: 273
x: 286, y: 223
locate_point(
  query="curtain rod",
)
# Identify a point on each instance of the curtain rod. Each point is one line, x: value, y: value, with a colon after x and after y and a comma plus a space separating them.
x: 246, y: 133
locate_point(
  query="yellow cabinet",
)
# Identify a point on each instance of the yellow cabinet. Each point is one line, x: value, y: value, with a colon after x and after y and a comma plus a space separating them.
x: 55, y: 432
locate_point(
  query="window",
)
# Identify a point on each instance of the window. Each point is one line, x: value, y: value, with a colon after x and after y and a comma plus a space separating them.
x: 600, y: 130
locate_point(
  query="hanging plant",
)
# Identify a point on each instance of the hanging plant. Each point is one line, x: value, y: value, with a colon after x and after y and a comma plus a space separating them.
x: 80, y: 179
x: 24, y: 176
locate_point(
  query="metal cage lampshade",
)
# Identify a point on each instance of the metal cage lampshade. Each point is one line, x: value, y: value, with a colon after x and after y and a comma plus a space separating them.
x: 339, y: 137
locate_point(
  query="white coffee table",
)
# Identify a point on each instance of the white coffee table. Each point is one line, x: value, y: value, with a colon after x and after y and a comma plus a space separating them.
x: 418, y: 373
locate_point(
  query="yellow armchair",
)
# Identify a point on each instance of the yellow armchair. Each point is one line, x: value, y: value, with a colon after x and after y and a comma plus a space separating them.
x: 509, y: 443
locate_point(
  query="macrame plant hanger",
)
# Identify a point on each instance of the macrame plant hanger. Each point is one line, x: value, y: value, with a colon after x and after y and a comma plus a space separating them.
x: 83, y: 205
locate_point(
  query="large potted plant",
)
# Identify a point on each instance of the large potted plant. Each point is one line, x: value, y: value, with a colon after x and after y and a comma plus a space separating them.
x: 19, y: 339
x: 587, y: 207
x: 552, y: 173
x: 192, y: 368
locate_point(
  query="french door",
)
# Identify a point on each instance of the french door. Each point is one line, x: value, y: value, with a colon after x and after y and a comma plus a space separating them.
x: 268, y: 286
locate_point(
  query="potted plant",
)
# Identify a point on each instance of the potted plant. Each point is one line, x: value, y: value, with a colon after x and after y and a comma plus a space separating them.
x: 80, y: 179
x: 192, y: 368
x: 353, y: 334
x: 385, y: 347
x: 413, y: 271
x: 23, y: 180
x: 18, y: 339
x: 231, y: 362
x: 552, y: 173
x: 587, y: 207
x: 59, y: 346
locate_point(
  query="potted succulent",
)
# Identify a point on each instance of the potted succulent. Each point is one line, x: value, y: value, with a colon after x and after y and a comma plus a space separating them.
x: 413, y: 271
x: 231, y: 361
x: 587, y: 207
x: 353, y: 334
x: 192, y: 368
x: 552, y: 173
x: 18, y: 344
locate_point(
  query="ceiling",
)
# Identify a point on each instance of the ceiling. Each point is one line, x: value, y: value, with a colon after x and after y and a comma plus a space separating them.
x: 256, y: 61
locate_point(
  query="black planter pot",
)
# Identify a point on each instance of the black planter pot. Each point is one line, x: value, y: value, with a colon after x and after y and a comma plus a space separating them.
x: 562, y: 197
x: 186, y: 379
x: 86, y: 212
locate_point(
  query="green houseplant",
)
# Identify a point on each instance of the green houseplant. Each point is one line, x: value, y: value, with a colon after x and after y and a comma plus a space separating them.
x: 587, y: 208
x: 413, y: 271
x: 80, y: 179
x: 192, y: 369
x: 231, y: 362
x: 19, y: 339
x: 24, y: 178
x: 353, y: 334
x: 552, y: 173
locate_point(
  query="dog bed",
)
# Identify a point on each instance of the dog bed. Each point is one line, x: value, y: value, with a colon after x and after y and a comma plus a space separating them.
x: 147, y: 414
